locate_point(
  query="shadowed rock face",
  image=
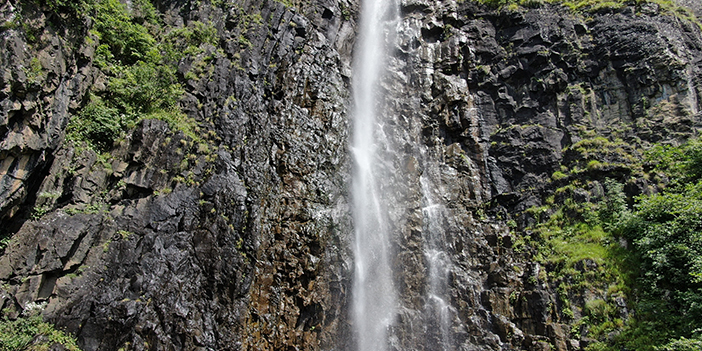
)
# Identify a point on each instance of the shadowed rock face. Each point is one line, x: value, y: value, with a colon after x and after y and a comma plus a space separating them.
x: 245, y: 244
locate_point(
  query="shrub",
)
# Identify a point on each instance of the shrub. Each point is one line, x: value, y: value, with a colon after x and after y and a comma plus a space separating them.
x: 682, y: 344
x: 141, y: 82
x: 129, y: 42
x: 613, y: 207
x: 32, y: 333
x: 666, y: 232
x: 97, y: 123
x: 668, y: 237
x: 145, y: 88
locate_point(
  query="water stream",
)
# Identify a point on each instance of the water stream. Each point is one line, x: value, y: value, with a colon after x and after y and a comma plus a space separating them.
x: 374, y: 296
x: 438, y: 310
x: 376, y: 304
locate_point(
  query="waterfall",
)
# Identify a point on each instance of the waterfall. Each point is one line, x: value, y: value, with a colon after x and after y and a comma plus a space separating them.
x: 437, y: 310
x: 374, y: 296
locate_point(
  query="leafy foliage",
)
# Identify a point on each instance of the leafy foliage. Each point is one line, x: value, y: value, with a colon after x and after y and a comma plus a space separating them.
x: 659, y: 273
x: 97, y: 122
x: 32, y: 334
x: 76, y: 7
x: 682, y: 165
x: 141, y: 71
x: 666, y: 231
x: 683, y: 344
x: 127, y: 41
x: 145, y: 88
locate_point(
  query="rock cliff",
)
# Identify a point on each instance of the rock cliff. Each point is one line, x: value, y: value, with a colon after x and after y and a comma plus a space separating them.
x: 239, y: 237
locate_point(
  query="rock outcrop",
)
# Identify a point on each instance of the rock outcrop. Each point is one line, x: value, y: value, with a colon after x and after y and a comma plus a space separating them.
x: 242, y: 240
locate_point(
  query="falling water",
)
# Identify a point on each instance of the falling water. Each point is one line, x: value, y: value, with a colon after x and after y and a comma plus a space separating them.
x: 374, y: 296
x: 437, y: 307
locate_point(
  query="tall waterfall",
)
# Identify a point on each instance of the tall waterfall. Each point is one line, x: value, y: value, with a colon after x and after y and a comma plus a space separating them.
x: 374, y: 296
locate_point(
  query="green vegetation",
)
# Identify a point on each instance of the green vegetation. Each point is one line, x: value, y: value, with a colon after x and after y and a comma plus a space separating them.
x: 666, y: 6
x: 97, y: 123
x: 123, y: 38
x: 581, y: 255
x: 32, y: 334
x: 287, y: 3
x: 73, y: 7
x: 141, y: 72
x: 125, y: 234
x: 4, y: 243
x: 139, y: 56
x: 190, y: 40
x: 94, y: 208
x: 648, y: 254
x: 594, y: 156
x: 666, y: 232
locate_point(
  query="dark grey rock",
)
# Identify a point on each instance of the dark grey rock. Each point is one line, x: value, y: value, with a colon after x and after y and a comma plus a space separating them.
x: 243, y: 241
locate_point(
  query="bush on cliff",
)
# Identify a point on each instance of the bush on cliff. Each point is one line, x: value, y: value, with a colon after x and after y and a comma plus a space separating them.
x: 666, y: 232
x: 659, y: 274
x: 142, y: 82
x: 33, y: 334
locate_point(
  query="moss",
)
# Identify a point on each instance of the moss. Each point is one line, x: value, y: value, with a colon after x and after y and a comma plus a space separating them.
x: 599, y: 153
x: 558, y: 175
x: 594, y: 165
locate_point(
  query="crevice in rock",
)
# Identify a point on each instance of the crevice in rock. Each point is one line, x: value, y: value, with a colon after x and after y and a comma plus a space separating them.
x: 310, y: 314
x: 48, y: 282
x: 67, y: 193
x: 32, y: 185
x: 72, y: 251
x: 15, y: 119
x: 135, y: 192
x: 432, y: 35
x: 327, y: 14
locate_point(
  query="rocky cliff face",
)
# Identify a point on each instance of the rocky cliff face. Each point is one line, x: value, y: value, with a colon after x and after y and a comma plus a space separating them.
x: 485, y: 105
x: 243, y: 241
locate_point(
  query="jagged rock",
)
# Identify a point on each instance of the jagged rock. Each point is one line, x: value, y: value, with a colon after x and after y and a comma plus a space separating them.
x: 244, y: 241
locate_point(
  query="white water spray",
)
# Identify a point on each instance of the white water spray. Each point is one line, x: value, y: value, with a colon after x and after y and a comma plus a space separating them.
x: 438, y: 309
x: 374, y: 296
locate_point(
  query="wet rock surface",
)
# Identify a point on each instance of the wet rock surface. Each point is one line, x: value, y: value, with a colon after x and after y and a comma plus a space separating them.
x: 485, y: 106
x: 244, y: 242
